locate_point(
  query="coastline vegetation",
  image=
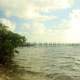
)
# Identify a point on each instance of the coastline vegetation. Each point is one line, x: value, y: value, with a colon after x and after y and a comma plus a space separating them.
x: 9, y: 41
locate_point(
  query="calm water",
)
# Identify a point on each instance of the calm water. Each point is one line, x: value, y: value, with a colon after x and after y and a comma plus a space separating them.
x: 60, y: 62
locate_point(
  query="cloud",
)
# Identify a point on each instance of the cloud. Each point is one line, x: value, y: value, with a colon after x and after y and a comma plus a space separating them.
x: 66, y: 32
x: 38, y: 32
x: 46, y: 5
x: 73, y: 32
x: 42, y: 18
x: 31, y: 8
x: 8, y: 23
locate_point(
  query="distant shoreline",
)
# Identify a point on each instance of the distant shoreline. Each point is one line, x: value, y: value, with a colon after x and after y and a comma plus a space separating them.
x: 50, y: 44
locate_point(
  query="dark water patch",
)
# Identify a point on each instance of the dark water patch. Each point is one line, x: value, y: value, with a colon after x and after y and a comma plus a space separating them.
x: 51, y: 75
x: 34, y: 73
x: 68, y: 57
x: 59, y: 76
x: 78, y: 60
x: 63, y: 77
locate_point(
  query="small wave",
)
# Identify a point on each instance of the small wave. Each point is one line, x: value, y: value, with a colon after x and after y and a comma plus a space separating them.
x: 58, y: 76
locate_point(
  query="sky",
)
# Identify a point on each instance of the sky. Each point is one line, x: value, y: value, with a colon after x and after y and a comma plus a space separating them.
x: 56, y: 21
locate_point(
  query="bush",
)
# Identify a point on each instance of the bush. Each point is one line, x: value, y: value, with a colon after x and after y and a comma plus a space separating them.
x: 9, y: 41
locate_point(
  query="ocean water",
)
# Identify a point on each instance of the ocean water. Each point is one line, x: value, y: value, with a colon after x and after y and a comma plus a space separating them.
x: 57, y: 62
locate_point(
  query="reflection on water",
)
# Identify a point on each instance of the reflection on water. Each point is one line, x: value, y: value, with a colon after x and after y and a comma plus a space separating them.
x: 61, y: 62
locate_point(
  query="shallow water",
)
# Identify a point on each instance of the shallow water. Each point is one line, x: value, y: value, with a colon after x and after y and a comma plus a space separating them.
x: 60, y: 62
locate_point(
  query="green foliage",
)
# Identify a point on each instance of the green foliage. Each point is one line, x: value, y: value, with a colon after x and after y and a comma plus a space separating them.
x: 9, y: 41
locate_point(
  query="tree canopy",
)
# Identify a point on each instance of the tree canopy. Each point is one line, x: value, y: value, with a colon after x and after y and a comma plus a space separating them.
x: 9, y: 41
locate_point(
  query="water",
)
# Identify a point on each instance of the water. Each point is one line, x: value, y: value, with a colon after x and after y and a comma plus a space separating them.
x: 60, y: 62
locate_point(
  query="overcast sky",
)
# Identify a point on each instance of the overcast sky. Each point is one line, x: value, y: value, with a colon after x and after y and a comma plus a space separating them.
x: 43, y: 20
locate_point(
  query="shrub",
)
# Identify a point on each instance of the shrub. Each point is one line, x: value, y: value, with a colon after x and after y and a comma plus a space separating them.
x: 9, y: 41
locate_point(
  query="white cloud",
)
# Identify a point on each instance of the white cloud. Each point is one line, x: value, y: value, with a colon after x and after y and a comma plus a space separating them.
x: 46, y: 5
x: 11, y: 26
x: 31, y: 8
x: 73, y: 32
x: 66, y: 32
x: 39, y: 33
